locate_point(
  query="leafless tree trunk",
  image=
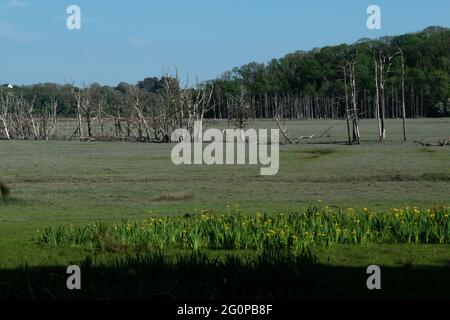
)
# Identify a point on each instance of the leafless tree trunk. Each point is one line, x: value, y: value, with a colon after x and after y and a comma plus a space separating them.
x: 239, y: 112
x: 403, y: 95
x: 4, y: 113
x: 77, y: 94
x: 383, y: 67
x: 350, y: 72
x: 347, y: 110
x: 196, y: 105
x: 352, y: 75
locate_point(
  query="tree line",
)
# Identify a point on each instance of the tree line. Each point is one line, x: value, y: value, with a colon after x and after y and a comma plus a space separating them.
x: 391, y: 77
x: 312, y: 85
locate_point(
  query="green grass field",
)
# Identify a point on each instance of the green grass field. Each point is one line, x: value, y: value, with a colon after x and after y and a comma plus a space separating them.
x: 68, y: 182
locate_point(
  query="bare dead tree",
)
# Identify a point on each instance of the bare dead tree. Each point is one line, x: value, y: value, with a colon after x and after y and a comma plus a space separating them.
x: 239, y: 109
x: 48, y: 119
x: 281, y: 121
x: 383, y: 68
x: 351, y: 106
x: 352, y: 78
x: 20, y: 119
x: 5, y: 109
x: 403, y: 94
x: 347, y: 109
x: 35, y: 126
x: 168, y: 115
x: 196, y: 102
x: 97, y: 100
x: 139, y: 106
x: 88, y: 109
x: 78, y: 96
x: 87, y: 105
x: 377, y: 101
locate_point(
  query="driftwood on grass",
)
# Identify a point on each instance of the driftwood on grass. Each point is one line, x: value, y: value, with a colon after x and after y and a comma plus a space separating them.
x: 440, y: 143
x: 289, y: 140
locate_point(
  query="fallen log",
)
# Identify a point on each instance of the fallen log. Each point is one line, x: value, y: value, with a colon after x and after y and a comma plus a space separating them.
x: 440, y: 143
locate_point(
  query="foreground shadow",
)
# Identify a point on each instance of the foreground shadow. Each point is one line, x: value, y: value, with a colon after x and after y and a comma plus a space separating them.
x: 270, y: 276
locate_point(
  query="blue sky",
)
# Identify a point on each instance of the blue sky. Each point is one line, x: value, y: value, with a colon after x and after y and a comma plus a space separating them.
x: 130, y: 40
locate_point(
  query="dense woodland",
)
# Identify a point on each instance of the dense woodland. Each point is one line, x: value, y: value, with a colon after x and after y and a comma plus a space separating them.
x: 391, y: 77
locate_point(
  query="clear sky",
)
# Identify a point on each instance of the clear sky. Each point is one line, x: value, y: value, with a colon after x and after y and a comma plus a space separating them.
x: 130, y: 40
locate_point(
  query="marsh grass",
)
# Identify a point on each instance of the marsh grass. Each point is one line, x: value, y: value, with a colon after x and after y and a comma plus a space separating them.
x: 316, y: 153
x: 428, y: 149
x: 237, y: 230
x: 74, y: 182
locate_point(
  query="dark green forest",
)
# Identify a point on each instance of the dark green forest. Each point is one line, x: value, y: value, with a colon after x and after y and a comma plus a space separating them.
x: 303, y: 84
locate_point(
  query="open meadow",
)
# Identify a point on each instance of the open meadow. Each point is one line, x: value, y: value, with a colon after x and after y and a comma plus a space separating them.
x: 206, y: 154
x: 72, y: 184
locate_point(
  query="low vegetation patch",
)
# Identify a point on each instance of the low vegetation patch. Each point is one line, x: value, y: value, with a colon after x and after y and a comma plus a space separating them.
x: 436, y: 176
x: 174, y: 196
x: 317, y: 153
x: 239, y: 230
x: 428, y: 150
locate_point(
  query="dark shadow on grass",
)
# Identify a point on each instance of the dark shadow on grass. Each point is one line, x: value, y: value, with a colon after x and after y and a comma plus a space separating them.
x: 11, y: 201
x: 269, y: 276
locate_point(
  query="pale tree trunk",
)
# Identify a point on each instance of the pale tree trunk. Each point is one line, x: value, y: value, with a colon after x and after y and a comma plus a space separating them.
x: 347, y: 111
x: 5, y: 109
x: 384, y: 65
x: 382, y: 102
x: 403, y: 96
x: 79, y: 120
x: 356, y: 134
x: 377, y: 102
